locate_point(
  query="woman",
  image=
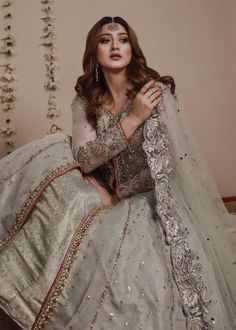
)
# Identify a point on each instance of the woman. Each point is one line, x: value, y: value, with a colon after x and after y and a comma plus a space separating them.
x: 138, y: 237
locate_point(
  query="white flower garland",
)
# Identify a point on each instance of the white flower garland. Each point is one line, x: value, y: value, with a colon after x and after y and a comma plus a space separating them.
x: 7, y: 79
x: 51, y: 58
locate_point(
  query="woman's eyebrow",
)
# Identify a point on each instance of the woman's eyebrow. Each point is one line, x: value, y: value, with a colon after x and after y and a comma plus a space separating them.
x: 110, y: 34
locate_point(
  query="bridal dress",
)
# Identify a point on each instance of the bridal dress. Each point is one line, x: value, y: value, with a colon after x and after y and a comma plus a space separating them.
x: 162, y: 257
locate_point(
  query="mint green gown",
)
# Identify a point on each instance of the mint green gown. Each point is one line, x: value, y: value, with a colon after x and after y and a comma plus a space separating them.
x: 68, y: 261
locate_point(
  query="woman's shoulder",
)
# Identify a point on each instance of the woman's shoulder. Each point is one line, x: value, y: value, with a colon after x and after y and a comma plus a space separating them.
x: 79, y: 105
x: 79, y: 102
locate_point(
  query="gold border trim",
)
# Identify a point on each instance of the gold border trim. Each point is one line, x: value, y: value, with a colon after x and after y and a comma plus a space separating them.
x: 59, y: 283
x: 30, y: 202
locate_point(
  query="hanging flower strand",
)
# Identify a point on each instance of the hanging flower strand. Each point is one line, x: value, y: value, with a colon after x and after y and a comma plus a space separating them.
x: 51, y: 84
x: 7, y: 78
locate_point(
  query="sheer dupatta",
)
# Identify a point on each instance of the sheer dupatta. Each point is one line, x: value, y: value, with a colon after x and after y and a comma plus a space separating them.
x: 197, y: 226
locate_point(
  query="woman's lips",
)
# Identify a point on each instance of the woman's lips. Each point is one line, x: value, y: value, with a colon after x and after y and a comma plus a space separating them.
x: 115, y: 56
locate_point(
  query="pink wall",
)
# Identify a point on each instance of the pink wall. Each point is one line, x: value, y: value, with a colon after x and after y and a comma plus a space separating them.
x: 194, y: 41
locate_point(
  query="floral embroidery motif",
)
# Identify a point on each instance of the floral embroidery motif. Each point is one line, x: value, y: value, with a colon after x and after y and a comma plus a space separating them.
x: 142, y: 182
x: 98, y: 151
x: 130, y: 161
x: 186, y: 271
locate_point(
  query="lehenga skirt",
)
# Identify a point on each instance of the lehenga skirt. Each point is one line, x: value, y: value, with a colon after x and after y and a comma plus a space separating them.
x: 77, y: 264
x: 71, y: 262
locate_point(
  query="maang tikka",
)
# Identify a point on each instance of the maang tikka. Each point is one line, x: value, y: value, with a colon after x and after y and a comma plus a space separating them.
x: 113, y: 26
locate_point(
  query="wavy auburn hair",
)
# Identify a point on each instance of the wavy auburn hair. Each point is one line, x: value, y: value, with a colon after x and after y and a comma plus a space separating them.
x: 138, y: 73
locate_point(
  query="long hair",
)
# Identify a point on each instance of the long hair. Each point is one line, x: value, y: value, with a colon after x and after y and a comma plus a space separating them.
x: 138, y: 73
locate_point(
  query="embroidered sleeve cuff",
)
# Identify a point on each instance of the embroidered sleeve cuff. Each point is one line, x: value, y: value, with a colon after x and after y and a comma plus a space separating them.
x: 128, y: 141
x: 96, y: 152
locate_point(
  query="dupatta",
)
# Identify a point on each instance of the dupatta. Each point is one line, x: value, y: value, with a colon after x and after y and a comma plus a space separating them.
x: 198, y: 228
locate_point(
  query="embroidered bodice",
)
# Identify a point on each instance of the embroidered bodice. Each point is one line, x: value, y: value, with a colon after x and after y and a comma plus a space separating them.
x: 121, y: 163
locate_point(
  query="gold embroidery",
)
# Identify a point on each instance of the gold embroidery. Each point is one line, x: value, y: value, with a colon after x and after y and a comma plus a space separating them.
x: 130, y: 161
x: 160, y: 236
x: 108, y: 285
x: 186, y: 269
x: 96, y: 152
x: 60, y: 280
x: 30, y: 202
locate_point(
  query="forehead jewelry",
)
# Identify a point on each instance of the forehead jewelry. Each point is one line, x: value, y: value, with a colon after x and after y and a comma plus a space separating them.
x: 113, y: 26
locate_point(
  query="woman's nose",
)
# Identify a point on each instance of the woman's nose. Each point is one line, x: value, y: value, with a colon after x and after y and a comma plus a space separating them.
x: 114, y: 44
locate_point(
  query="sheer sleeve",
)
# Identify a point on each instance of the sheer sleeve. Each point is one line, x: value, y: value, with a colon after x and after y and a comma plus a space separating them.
x: 89, y: 149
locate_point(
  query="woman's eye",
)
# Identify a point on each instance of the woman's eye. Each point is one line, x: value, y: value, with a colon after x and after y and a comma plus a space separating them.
x: 124, y: 40
x: 104, y: 41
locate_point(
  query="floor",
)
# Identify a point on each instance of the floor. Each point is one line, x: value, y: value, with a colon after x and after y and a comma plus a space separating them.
x: 231, y: 206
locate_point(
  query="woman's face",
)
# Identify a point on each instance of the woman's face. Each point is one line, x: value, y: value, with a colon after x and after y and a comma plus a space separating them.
x: 114, y: 51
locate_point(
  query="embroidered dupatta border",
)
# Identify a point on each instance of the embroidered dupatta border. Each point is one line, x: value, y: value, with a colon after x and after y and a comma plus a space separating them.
x: 34, y: 197
x: 59, y: 282
x: 186, y: 270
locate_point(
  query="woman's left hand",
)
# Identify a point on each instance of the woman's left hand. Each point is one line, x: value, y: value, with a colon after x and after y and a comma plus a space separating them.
x: 106, y: 198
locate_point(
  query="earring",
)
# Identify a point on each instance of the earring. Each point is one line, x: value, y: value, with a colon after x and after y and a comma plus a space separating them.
x: 96, y: 73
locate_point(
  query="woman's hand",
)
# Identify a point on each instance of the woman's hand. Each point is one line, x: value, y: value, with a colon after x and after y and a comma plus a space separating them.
x: 106, y: 198
x: 145, y: 101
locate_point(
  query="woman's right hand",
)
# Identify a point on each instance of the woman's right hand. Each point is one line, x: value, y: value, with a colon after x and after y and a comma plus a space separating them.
x: 145, y: 101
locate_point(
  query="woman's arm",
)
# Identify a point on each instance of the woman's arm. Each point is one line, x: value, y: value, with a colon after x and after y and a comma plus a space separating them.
x: 90, y: 150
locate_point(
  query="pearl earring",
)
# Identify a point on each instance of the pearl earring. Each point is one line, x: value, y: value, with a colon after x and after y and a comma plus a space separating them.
x: 96, y: 73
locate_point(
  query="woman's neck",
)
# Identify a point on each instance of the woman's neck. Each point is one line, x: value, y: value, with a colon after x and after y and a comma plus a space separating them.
x: 117, y: 84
